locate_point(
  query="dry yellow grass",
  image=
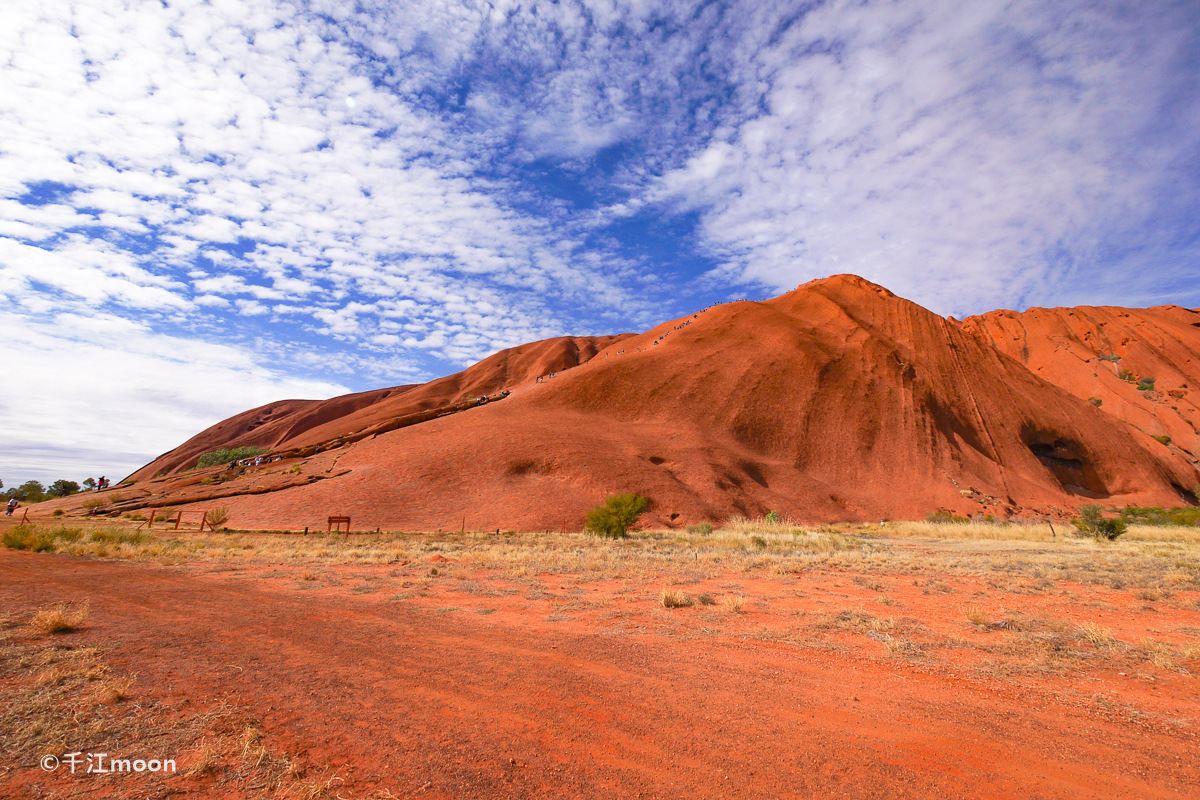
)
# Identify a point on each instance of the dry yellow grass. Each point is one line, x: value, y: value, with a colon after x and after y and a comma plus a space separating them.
x: 1097, y: 635
x: 975, y: 530
x: 734, y: 603
x: 57, y: 700
x: 977, y: 616
x: 1158, y: 561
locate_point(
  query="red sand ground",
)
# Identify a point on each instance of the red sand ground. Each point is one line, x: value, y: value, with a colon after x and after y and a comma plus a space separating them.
x: 838, y: 401
x: 571, y: 688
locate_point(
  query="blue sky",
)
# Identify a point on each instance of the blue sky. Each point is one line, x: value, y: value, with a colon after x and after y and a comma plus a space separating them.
x: 206, y: 206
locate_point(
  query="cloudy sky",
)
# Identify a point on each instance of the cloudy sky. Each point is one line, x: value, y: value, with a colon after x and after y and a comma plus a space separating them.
x: 207, y: 206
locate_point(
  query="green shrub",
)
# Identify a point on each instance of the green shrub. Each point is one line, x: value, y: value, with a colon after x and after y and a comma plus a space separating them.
x: 614, y: 518
x: 1091, y: 522
x: 1146, y: 384
x: 772, y: 518
x: 1113, y: 358
x: 701, y: 528
x: 215, y: 457
x: 1162, y: 439
x: 1152, y: 515
x: 946, y: 518
x: 1096, y: 401
x: 27, y: 537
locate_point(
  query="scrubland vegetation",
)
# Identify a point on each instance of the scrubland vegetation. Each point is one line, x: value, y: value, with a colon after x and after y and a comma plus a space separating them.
x: 1151, y: 557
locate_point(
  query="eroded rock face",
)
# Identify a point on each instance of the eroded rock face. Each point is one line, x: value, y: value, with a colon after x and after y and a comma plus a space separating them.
x: 1141, y: 366
x: 837, y: 401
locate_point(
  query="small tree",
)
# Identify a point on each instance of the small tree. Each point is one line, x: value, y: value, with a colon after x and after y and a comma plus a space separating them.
x: 89, y: 484
x: 63, y: 488
x: 1092, y: 523
x: 29, y: 492
x: 616, y: 515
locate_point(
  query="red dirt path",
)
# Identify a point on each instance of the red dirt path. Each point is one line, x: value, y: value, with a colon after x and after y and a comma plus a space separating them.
x: 509, y: 704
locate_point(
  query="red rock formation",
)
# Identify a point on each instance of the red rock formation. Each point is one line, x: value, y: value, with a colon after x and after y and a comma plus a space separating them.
x: 836, y: 401
x: 1140, y: 366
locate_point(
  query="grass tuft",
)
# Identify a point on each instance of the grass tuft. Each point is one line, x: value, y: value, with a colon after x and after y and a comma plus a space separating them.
x: 672, y: 598
x: 734, y: 604
x: 1097, y: 635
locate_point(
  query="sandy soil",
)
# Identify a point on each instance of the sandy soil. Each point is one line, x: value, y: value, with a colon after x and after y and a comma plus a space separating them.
x: 390, y: 680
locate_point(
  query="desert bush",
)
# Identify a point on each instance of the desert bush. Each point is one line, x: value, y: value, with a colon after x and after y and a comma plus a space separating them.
x: 215, y: 457
x: 614, y: 518
x: 772, y: 518
x: 1164, y: 439
x: 1096, y: 401
x: 734, y: 603
x: 701, y: 528
x: 1092, y: 523
x: 60, y: 618
x: 217, y: 517
x: 706, y: 599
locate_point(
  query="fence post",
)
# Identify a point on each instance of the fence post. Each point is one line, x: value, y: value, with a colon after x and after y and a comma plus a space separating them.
x: 204, y: 520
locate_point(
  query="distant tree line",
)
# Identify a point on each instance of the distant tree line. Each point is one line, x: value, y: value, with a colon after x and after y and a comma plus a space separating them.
x: 35, y: 492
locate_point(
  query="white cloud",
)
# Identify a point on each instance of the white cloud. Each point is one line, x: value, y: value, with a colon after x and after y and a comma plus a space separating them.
x: 85, y: 395
x: 967, y: 155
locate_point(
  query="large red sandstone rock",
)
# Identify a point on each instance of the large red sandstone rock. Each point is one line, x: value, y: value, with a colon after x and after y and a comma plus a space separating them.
x: 838, y: 401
